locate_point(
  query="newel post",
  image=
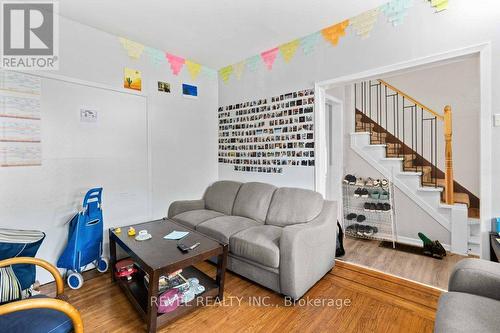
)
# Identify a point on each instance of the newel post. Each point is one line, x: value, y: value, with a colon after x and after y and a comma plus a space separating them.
x: 449, y: 192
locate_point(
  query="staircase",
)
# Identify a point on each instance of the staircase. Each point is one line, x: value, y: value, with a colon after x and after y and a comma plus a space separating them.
x: 402, y: 138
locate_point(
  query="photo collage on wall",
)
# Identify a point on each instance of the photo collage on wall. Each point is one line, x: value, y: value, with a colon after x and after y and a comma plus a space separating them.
x: 266, y: 134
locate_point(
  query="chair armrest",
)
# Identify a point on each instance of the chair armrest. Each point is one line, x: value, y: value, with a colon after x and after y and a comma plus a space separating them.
x: 476, y: 276
x: 38, y: 262
x: 307, y: 251
x: 46, y: 303
x: 182, y: 206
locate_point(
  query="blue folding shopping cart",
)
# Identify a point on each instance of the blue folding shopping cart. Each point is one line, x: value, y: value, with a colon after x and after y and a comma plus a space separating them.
x: 85, y: 240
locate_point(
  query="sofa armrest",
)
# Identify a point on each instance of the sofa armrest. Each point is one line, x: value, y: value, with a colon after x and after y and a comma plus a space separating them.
x: 307, y: 251
x: 476, y: 276
x: 182, y: 206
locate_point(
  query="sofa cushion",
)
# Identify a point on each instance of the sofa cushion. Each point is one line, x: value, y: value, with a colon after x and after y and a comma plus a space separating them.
x: 220, y: 196
x: 223, y: 227
x: 293, y: 205
x: 461, y: 312
x: 36, y: 321
x: 253, y: 201
x: 194, y: 217
x: 259, y: 244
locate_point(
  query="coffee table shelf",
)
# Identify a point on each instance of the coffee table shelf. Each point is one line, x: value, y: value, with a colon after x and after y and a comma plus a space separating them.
x: 157, y: 257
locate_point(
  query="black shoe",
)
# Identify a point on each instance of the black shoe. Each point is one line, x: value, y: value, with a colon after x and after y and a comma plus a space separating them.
x: 360, y: 218
x: 387, y: 207
x: 380, y: 207
x: 361, y: 230
x: 368, y: 232
x: 357, y: 193
x: 367, y: 206
x: 364, y: 193
x: 428, y: 249
x: 439, y: 249
x: 373, y: 207
x: 351, y: 216
x: 350, y: 179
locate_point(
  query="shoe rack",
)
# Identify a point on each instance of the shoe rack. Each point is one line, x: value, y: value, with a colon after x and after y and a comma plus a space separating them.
x: 362, y: 200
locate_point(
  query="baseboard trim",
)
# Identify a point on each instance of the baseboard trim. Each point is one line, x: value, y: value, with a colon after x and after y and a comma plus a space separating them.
x: 417, y: 242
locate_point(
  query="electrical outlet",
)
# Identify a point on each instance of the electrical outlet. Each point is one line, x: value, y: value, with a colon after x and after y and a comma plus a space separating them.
x: 496, y: 120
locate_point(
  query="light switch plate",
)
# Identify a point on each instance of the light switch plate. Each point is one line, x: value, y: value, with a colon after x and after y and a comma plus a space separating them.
x: 496, y: 120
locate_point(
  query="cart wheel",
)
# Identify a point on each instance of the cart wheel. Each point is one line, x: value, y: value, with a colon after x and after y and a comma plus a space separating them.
x: 75, y: 280
x: 102, y: 264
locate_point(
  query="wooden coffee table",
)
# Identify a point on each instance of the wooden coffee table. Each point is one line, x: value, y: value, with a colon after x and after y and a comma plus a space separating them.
x: 158, y: 256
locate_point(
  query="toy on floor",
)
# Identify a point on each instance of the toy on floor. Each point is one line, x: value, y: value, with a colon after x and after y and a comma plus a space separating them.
x: 432, y: 248
x: 85, y: 240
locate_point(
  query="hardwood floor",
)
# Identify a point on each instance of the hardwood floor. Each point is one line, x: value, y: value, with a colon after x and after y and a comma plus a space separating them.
x: 411, y: 266
x: 367, y: 301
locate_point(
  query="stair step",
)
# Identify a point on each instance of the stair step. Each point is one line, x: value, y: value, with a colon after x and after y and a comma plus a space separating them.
x: 436, y: 182
x: 462, y: 198
x: 474, y: 214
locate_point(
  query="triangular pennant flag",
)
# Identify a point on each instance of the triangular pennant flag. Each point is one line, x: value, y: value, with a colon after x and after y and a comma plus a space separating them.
x: 176, y: 63
x: 194, y: 69
x: 252, y: 63
x: 209, y: 72
x: 238, y: 69
x: 288, y: 50
x: 308, y: 43
x: 334, y: 32
x: 440, y: 5
x: 157, y: 57
x: 269, y: 57
x: 396, y: 10
x: 225, y: 72
x: 134, y: 49
x: 363, y: 23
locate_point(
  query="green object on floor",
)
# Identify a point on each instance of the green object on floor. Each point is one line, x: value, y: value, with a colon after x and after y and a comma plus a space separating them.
x: 424, y: 239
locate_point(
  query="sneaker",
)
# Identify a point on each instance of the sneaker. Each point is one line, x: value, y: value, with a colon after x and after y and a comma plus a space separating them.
x: 369, y: 182
x: 357, y: 193
x: 387, y: 207
x: 367, y: 206
x: 375, y: 194
x: 376, y: 182
x: 373, y: 207
x: 380, y: 207
x: 439, y: 249
x: 360, y: 182
x: 384, y: 183
x: 350, y: 179
x: 364, y: 193
x: 384, y: 195
x: 351, y: 216
x: 360, y: 218
x: 368, y: 232
x: 361, y: 230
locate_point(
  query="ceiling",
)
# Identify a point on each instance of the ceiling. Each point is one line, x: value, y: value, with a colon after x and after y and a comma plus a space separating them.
x: 213, y: 32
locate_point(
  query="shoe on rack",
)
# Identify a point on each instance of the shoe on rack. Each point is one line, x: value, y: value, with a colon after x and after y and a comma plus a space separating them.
x: 373, y: 207
x: 380, y: 207
x: 357, y: 193
x: 350, y: 179
x: 361, y: 230
x: 384, y: 195
x: 384, y: 183
x: 375, y: 194
x: 351, y: 216
x: 360, y: 182
x: 376, y: 182
x: 360, y: 218
x: 368, y: 232
x: 367, y: 206
x: 369, y: 182
x: 387, y: 207
x: 364, y: 193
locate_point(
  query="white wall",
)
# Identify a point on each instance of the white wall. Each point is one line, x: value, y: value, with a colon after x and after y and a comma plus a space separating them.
x: 422, y: 34
x: 183, y: 140
x: 456, y: 84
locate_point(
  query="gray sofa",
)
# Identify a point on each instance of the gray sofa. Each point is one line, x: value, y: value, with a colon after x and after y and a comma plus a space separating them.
x: 472, y: 303
x: 281, y: 238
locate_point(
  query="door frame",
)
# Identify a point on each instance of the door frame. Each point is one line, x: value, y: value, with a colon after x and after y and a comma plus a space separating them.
x: 486, y: 121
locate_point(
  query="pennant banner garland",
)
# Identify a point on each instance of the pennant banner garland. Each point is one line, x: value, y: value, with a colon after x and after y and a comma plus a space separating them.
x: 440, y: 5
x: 157, y: 57
x: 225, y: 72
x: 176, y: 63
x: 194, y: 69
x: 269, y: 57
x: 134, y: 49
x: 308, y: 43
x: 363, y: 24
x: 209, y: 72
x: 253, y: 63
x: 238, y: 69
x: 333, y: 33
x: 397, y: 10
x: 288, y: 50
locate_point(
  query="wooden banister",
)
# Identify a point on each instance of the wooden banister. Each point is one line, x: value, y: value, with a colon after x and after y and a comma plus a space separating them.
x: 434, y: 113
x: 449, y: 191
